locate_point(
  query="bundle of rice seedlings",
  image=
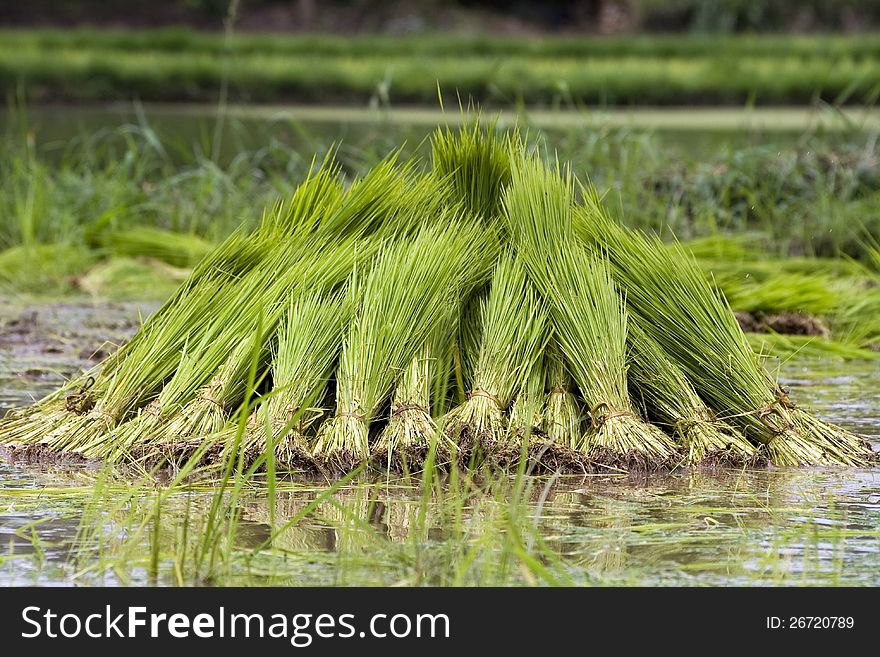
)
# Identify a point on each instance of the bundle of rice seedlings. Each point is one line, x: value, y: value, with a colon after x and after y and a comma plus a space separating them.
x: 563, y: 419
x: 308, y: 344
x: 476, y: 161
x: 212, y: 382
x: 177, y: 249
x: 513, y: 333
x: 467, y: 343
x: 677, y: 306
x: 422, y: 391
x: 527, y: 412
x: 127, y: 278
x: 42, y: 268
x: 405, y: 295
x: 670, y: 400
x: 390, y: 199
x: 405, y: 440
x: 589, y: 317
x: 89, y: 406
x: 105, y: 395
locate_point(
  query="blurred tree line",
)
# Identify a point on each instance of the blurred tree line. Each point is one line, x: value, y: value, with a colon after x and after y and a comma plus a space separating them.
x: 402, y: 16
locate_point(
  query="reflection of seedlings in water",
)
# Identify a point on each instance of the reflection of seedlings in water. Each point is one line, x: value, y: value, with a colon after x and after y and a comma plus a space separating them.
x: 309, y: 534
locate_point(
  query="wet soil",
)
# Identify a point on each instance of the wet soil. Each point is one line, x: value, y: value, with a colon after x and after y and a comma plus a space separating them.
x: 42, y: 343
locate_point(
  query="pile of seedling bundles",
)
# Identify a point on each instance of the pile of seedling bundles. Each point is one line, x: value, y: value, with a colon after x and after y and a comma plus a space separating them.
x: 481, y: 309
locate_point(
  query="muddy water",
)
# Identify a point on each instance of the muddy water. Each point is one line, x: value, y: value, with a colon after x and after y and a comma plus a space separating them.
x: 809, y: 526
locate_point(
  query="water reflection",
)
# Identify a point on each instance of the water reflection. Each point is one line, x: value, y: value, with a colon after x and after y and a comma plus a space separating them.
x: 807, y: 526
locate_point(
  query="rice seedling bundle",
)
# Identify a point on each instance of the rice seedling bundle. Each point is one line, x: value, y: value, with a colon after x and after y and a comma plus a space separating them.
x: 563, y: 419
x: 588, y: 316
x: 406, y: 293
x: 398, y: 287
x: 211, y: 381
x: 308, y: 342
x: 677, y: 306
x: 513, y: 333
x: 527, y: 412
x: 156, y: 347
x: 670, y: 400
x: 406, y: 438
x: 476, y: 162
x: 178, y: 249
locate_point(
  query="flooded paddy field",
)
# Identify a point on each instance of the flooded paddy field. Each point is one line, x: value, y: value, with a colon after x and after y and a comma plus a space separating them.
x: 85, y: 524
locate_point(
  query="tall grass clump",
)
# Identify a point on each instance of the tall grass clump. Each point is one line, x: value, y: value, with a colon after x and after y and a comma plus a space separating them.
x: 588, y: 316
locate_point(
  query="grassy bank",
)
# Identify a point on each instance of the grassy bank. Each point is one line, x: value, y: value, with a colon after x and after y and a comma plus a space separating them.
x: 83, y: 65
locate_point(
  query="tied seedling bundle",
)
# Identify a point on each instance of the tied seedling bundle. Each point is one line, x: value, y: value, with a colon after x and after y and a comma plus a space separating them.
x: 676, y: 305
x: 485, y: 306
x: 588, y: 316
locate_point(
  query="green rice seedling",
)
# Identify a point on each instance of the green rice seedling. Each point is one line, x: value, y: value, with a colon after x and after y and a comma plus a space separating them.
x: 308, y: 344
x: 814, y: 294
x: 405, y: 441
x: 177, y: 249
x: 527, y: 411
x: 784, y: 347
x: 391, y: 199
x: 127, y: 278
x: 669, y: 399
x: 132, y: 377
x: 588, y: 316
x: 513, y: 333
x: 469, y: 336
x: 476, y: 161
x: 676, y: 305
x: 405, y: 295
x: 563, y: 417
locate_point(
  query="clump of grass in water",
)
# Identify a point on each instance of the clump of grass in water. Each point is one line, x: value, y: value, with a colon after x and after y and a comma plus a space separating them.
x: 513, y: 332
x: 671, y: 401
x: 677, y: 306
x: 588, y: 316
